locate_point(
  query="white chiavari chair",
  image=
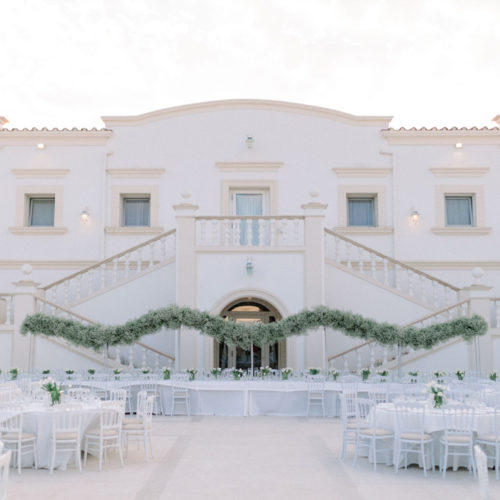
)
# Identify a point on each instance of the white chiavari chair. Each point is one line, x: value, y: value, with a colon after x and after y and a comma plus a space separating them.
x: 410, y: 436
x: 492, y: 441
x: 482, y: 472
x: 458, y: 437
x: 4, y: 472
x: 180, y: 393
x: 315, y: 393
x: 348, y: 415
x: 141, y: 428
x: 66, y: 434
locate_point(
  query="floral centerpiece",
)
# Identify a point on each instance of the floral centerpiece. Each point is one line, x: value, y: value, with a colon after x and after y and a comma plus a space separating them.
x: 55, y: 391
x: 166, y: 373
x: 365, y: 373
x: 493, y: 376
x: 285, y: 373
x: 264, y: 371
x: 334, y: 374
x: 117, y: 372
x: 14, y: 372
x: 413, y: 377
x: 45, y: 372
x: 91, y: 372
x: 145, y: 370
x: 69, y: 373
x: 192, y: 373
x: 314, y: 371
x: 439, y: 376
x: 215, y: 372
x: 384, y: 374
x: 436, y: 392
x: 460, y: 374
x: 237, y: 373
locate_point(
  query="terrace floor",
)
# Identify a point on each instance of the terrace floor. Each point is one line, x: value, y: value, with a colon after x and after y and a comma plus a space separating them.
x: 242, y: 458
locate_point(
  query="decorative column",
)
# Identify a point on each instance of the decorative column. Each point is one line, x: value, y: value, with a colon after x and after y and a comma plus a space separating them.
x: 23, y: 346
x: 190, y: 342
x: 312, y: 351
x: 481, y: 349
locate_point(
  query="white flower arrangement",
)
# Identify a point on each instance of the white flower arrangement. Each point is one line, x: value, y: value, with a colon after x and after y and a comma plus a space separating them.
x: 237, y: 373
x: 286, y: 372
x: 314, y: 371
x: 334, y: 373
x: 265, y: 371
x: 436, y: 392
x: 215, y: 372
x: 460, y: 374
x: 192, y: 373
x: 493, y: 376
x: 146, y: 370
x: 365, y: 373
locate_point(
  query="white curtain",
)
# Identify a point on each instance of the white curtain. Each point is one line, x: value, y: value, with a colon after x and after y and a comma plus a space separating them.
x: 42, y: 212
x: 459, y: 211
x: 136, y: 212
x: 361, y: 212
x: 249, y: 204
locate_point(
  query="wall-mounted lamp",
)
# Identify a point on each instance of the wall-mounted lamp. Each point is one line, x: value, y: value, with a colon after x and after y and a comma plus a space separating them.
x: 414, y: 216
x: 249, y: 265
x: 459, y: 145
x: 40, y: 145
x: 85, y: 216
x: 249, y: 142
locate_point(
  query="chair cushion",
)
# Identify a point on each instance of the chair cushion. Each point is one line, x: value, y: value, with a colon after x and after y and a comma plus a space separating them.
x: 415, y: 436
x: 351, y: 425
x: 106, y: 433
x: 457, y: 439
x: 63, y: 436
x: 133, y: 426
x: 14, y: 436
x: 131, y: 420
x: 377, y: 432
x: 490, y: 438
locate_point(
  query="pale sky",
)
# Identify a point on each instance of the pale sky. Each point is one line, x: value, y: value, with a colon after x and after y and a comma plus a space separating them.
x: 65, y: 63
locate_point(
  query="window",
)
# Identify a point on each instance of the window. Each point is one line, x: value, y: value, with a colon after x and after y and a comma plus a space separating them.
x: 41, y: 211
x: 136, y: 211
x: 361, y: 211
x: 459, y: 210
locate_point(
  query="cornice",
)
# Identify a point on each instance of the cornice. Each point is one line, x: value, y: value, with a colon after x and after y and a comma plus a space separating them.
x: 362, y: 172
x: 446, y: 136
x: 40, y: 173
x: 135, y: 173
x: 249, y: 166
x: 48, y: 264
x: 38, y: 230
x: 459, y: 171
x: 54, y: 137
x: 251, y: 104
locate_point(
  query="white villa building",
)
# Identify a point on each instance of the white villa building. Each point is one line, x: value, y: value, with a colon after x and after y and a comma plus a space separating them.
x: 253, y: 210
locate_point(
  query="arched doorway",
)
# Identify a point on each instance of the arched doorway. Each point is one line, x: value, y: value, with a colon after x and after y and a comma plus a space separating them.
x: 250, y: 310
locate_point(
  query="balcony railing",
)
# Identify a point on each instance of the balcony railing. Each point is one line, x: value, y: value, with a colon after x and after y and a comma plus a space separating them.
x: 250, y: 231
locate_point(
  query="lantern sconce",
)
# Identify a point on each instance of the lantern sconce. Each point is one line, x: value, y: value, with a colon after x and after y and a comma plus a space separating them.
x: 249, y: 266
x: 85, y: 216
x: 414, y: 216
x: 249, y: 141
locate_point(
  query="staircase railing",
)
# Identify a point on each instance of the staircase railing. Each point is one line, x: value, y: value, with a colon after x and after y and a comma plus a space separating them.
x: 123, y: 354
x: 6, y: 309
x: 115, y: 269
x: 388, y: 271
x: 375, y: 355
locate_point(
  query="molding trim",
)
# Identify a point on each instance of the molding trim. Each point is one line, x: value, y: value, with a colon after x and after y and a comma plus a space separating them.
x: 363, y: 230
x: 48, y: 264
x: 449, y: 137
x: 365, y: 172
x: 40, y: 173
x: 135, y: 230
x: 459, y: 171
x: 135, y: 173
x: 453, y: 265
x: 249, y: 166
x: 461, y: 231
x: 54, y: 137
x: 253, y: 104
x: 38, y: 230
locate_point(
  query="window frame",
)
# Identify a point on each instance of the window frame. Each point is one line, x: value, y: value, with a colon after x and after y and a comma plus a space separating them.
x: 29, y: 209
x: 472, y: 206
x: 124, y: 198
x: 365, y: 197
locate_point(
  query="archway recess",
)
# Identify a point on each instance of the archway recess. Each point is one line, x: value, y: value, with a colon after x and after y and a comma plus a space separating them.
x: 250, y: 310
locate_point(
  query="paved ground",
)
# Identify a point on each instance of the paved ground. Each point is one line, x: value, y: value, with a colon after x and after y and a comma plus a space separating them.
x: 242, y: 458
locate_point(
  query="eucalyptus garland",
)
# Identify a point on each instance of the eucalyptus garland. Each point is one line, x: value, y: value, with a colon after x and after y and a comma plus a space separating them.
x: 232, y: 333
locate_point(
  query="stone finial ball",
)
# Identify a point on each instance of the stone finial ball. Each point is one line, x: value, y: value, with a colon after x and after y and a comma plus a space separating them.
x: 27, y: 269
x: 477, y: 272
x: 314, y: 192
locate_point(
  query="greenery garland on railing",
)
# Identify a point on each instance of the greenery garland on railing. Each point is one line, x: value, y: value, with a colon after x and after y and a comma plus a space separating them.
x: 232, y: 333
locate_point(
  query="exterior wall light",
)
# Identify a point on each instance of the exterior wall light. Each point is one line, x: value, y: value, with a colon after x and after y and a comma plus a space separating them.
x: 85, y: 216
x: 414, y: 216
x: 459, y: 145
x: 250, y: 141
x: 249, y: 266
x: 40, y: 145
